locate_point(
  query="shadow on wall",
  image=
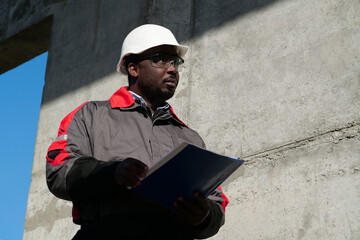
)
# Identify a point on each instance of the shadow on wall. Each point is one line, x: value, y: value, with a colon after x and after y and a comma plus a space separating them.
x: 86, y: 36
x: 213, y: 14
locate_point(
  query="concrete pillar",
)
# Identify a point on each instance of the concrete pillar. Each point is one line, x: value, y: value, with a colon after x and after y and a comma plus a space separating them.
x: 275, y: 82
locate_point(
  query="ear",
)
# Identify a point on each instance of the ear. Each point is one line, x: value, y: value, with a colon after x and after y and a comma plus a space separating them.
x: 133, y: 69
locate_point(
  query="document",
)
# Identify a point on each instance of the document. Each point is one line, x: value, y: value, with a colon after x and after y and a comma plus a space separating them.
x: 184, y: 171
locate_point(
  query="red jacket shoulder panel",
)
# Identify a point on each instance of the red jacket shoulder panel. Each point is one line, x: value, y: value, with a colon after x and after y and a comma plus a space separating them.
x: 67, y: 120
x: 122, y: 98
x: 59, y: 145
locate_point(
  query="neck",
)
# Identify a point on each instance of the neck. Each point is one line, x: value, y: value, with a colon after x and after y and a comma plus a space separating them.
x: 152, y: 104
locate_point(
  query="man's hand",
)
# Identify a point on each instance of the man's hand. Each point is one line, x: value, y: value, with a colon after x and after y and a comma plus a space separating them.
x: 130, y: 172
x: 193, y: 213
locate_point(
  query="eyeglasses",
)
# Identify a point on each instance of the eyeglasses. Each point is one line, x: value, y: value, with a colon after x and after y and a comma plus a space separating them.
x: 162, y: 60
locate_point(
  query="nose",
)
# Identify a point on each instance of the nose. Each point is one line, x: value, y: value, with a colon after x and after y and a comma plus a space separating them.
x: 171, y: 67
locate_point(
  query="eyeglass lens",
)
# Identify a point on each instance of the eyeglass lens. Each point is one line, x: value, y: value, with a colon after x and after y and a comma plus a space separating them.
x: 165, y: 61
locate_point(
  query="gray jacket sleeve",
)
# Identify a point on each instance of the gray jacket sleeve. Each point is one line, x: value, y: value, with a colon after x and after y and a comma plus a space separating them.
x: 216, y: 218
x: 71, y: 171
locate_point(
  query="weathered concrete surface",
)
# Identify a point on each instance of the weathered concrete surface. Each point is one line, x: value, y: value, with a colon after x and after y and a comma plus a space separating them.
x: 25, y: 30
x: 276, y: 82
x: 305, y: 190
x: 19, y: 15
x: 284, y: 73
x: 25, y: 45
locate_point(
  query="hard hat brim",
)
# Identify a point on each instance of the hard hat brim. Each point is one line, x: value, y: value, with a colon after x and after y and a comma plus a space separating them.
x: 181, y: 50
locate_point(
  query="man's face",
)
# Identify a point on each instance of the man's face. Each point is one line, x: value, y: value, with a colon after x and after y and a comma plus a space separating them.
x: 154, y: 83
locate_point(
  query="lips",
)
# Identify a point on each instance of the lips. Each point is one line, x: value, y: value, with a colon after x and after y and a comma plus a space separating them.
x: 171, y: 82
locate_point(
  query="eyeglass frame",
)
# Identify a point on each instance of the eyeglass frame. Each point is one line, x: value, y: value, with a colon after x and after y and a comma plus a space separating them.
x: 172, y: 62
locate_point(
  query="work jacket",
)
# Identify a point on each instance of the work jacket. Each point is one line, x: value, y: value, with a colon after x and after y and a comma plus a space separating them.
x: 94, y: 138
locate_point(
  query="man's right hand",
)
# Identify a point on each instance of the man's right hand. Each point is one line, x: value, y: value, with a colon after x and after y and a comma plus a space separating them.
x: 130, y: 172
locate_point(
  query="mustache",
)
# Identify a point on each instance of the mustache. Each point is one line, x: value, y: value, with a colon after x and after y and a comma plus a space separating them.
x: 172, y: 79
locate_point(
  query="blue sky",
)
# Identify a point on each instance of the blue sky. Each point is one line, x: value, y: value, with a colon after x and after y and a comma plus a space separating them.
x: 21, y: 91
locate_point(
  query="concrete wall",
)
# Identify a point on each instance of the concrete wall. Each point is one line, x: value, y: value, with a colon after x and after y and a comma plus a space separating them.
x: 25, y: 30
x: 274, y: 82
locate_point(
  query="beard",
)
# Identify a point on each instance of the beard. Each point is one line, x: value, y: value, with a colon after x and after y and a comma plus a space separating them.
x: 157, y: 95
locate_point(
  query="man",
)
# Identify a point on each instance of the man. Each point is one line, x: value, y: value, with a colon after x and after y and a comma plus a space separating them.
x: 105, y: 148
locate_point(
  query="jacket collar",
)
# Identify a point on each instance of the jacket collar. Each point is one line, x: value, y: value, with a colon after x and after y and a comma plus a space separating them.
x: 122, y: 98
x: 176, y: 118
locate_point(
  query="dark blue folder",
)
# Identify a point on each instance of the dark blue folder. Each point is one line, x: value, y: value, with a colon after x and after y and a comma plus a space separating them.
x: 186, y: 170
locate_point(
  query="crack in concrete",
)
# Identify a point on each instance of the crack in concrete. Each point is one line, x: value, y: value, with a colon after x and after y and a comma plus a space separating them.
x: 349, y: 131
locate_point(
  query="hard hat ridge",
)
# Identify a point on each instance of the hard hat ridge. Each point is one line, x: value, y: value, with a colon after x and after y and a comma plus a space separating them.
x: 145, y: 37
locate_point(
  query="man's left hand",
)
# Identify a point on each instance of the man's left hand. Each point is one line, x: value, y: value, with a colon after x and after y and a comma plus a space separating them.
x: 192, y: 212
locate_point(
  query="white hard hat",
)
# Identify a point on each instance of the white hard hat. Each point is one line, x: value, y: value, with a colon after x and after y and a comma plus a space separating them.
x: 145, y: 37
